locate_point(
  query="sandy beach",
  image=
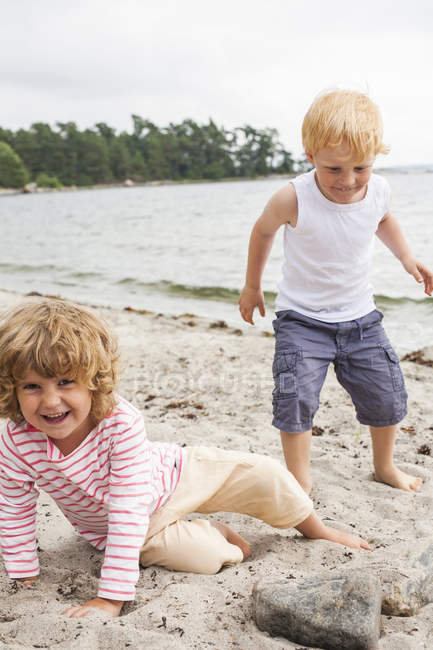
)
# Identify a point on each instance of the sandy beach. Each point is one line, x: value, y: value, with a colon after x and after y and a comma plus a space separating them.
x: 200, y: 382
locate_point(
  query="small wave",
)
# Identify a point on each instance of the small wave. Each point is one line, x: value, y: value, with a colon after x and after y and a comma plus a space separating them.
x: 198, y: 292
x: 26, y: 268
x: 388, y: 301
x: 222, y: 294
x: 130, y: 281
x: 84, y: 275
x: 230, y: 295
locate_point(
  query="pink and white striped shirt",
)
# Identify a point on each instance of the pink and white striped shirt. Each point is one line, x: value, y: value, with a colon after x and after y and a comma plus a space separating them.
x: 107, y: 488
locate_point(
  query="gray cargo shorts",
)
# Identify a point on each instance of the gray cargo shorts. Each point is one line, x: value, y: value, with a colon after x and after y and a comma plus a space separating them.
x: 365, y: 363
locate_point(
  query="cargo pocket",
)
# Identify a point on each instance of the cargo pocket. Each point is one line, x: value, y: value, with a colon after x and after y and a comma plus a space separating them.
x: 284, y: 371
x: 394, y: 366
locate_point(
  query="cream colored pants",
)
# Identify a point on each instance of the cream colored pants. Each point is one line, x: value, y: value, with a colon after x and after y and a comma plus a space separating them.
x: 220, y: 481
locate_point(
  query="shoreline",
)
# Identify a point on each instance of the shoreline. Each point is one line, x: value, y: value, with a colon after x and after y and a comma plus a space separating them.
x: 107, y: 186
x: 199, y: 383
x: 7, y: 191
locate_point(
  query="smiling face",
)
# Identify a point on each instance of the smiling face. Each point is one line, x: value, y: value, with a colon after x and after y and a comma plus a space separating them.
x: 340, y: 176
x: 57, y: 406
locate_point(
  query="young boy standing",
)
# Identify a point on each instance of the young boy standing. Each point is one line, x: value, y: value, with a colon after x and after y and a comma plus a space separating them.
x: 325, y: 308
x: 68, y: 433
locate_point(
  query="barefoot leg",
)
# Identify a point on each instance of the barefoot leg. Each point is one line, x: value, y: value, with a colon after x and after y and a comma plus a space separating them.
x: 233, y: 538
x: 296, y: 449
x: 313, y: 528
x: 383, y: 439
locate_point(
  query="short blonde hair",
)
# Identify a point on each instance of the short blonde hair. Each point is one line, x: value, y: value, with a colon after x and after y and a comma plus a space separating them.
x: 344, y: 115
x: 55, y: 337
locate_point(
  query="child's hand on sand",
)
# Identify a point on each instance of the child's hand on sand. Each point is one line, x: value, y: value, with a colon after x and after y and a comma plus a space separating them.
x: 111, y: 607
x: 248, y: 301
x: 420, y: 272
x: 27, y: 582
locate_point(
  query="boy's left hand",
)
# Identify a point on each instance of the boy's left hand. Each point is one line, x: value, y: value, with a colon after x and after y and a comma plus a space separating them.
x: 420, y: 272
x: 111, y: 607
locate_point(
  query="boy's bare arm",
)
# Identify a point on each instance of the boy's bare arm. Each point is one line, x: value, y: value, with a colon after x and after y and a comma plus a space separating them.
x: 282, y: 208
x: 391, y: 234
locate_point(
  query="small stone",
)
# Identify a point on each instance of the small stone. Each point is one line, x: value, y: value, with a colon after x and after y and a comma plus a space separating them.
x: 218, y: 324
x: 424, y: 449
x: 324, y: 611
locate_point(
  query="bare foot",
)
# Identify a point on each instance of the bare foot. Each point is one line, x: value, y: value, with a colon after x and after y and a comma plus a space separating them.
x: 233, y: 538
x: 396, y: 478
x: 339, y: 537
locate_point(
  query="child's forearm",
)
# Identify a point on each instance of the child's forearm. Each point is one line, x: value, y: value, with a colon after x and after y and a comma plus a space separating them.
x: 251, y: 295
x: 258, y: 253
x: 391, y: 234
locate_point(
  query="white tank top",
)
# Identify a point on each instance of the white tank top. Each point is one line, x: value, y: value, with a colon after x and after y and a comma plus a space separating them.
x: 328, y: 255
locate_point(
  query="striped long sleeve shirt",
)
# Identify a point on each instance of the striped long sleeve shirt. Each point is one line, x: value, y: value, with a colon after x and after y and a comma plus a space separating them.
x: 107, y: 488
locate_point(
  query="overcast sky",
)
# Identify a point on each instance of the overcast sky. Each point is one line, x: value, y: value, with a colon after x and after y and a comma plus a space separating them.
x: 259, y: 62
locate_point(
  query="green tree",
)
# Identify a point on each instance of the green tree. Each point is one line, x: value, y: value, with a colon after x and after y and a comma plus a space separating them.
x: 219, y: 163
x: 25, y: 145
x: 257, y: 151
x: 12, y: 171
x: 120, y: 159
x: 107, y: 132
x: 94, y: 159
x: 7, y: 136
x: 70, y: 139
x: 44, y: 180
x: 48, y: 150
x: 138, y: 171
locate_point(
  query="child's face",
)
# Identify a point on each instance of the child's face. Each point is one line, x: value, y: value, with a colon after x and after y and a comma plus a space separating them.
x: 57, y: 406
x: 341, y: 177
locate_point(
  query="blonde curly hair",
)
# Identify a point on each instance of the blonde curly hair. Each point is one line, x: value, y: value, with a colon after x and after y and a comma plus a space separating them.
x: 344, y: 115
x: 54, y: 337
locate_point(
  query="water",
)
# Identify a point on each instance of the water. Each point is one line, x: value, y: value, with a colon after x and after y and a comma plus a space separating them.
x: 183, y: 248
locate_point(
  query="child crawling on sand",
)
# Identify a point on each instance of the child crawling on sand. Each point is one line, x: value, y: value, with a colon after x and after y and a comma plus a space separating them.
x: 68, y: 433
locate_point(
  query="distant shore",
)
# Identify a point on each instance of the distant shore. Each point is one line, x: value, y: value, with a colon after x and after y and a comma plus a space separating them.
x: 105, y: 186
x: 4, y: 191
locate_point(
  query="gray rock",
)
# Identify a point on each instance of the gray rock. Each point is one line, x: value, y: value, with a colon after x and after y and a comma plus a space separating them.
x: 326, y: 611
x: 406, y: 590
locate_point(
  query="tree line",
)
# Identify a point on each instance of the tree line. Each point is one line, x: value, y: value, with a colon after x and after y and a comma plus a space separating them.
x: 66, y: 156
